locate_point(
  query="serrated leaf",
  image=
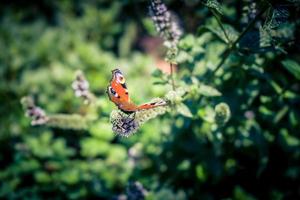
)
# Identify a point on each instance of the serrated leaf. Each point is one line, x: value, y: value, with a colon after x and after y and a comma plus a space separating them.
x: 275, y: 28
x: 275, y: 18
x: 184, y: 110
x: 264, y: 37
x: 293, y: 67
x: 214, y: 4
x: 187, y: 42
x: 209, y: 91
x: 219, y: 33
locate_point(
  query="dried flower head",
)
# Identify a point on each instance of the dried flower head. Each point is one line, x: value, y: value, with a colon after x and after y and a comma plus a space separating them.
x: 124, y: 124
x: 166, y: 23
x: 37, y: 114
x: 81, y: 87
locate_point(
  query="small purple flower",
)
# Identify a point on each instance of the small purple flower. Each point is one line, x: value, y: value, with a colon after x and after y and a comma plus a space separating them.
x: 166, y: 23
x: 252, y: 10
x: 38, y: 116
x: 36, y: 113
x: 136, y: 191
x: 249, y: 12
x: 81, y: 87
x: 249, y: 114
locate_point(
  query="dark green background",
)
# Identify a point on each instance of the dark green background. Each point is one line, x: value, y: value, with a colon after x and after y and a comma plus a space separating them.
x: 254, y: 156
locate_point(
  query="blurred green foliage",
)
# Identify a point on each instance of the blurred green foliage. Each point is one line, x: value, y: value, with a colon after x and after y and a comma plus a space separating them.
x: 180, y: 155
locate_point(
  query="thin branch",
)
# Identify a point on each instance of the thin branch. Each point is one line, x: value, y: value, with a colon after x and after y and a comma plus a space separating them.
x: 220, y: 24
x: 250, y: 25
x: 232, y: 47
x: 172, y: 76
x: 68, y: 121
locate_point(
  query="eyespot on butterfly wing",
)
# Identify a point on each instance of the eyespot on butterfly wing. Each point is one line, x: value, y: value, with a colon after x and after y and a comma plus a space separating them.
x: 118, y: 93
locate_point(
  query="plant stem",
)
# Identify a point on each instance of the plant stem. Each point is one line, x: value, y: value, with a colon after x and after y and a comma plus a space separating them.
x: 67, y: 121
x: 220, y: 24
x: 172, y: 76
x: 232, y: 46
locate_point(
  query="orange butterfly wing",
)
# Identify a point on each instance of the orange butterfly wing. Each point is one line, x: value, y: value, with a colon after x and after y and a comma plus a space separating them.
x: 117, y: 90
x: 151, y: 105
x: 118, y: 94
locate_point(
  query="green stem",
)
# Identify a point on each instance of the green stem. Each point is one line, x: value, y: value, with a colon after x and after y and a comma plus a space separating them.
x: 67, y: 121
x: 220, y: 24
x: 172, y: 76
x: 232, y: 47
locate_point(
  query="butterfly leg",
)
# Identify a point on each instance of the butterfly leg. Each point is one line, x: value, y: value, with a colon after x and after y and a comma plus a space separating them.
x: 123, y: 124
x: 129, y: 116
x: 133, y: 115
x: 127, y: 124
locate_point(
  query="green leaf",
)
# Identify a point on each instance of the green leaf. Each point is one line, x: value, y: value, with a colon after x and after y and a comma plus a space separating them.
x: 219, y: 33
x: 240, y: 194
x: 289, y: 139
x: 91, y: 147
x: 157, y: 73
x: 293, y: 118
x: 281, y: 114
x: 187, y: 42
x: 214, y: 4
x: 293, y: 67
x: 209, y: 91
x: 264, y: 37
x: 276, y: 87
x: 70, y: 176
x: 277, y: 17
x: 102, y: 130
x: 265, y: 111
x: 42, y: 177
x: 184, y: 110
x: 184, y: 165
x: 200, y: 172
x: 160, y: 82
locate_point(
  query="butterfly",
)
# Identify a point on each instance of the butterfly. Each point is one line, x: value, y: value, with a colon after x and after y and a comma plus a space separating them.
x: 118, y: 93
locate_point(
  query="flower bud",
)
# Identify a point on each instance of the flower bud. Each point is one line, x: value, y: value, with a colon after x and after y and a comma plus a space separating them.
x: 222, y: 113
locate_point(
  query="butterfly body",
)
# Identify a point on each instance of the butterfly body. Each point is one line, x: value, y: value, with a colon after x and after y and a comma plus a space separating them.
x: 118, y: 93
